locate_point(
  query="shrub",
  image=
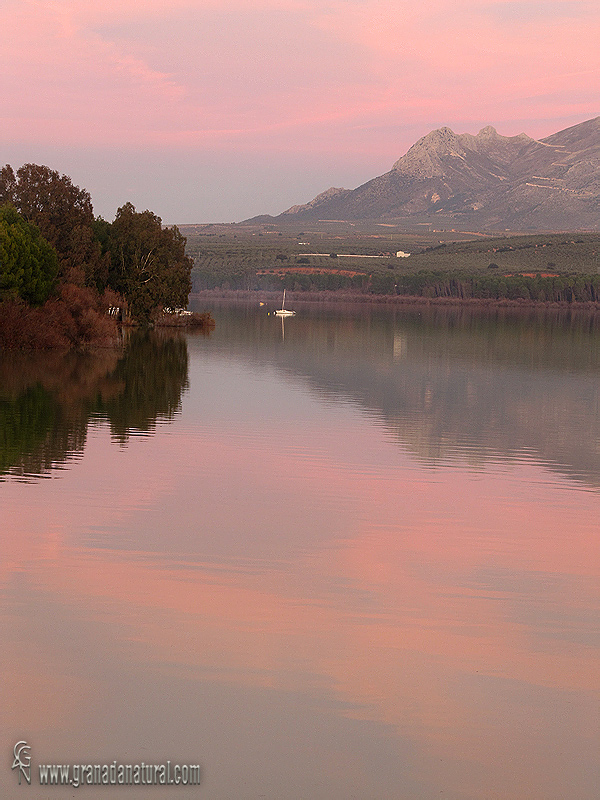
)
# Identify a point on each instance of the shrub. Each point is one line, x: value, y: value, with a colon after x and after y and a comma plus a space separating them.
x: 75, y: 319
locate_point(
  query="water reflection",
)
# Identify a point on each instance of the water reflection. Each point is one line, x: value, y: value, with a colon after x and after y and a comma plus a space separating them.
x: 282, y: 585
x: 47, y: 401
x: 152, y: 375
x: 449, y: 383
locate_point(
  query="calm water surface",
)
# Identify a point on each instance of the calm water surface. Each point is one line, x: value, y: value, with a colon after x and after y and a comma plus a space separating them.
x: 352, y: 557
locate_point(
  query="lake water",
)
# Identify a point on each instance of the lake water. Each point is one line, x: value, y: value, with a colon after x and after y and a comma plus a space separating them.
x: 351, y: 555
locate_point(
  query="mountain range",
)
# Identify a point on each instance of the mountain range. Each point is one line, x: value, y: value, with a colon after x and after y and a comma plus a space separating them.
x: 487, y: 181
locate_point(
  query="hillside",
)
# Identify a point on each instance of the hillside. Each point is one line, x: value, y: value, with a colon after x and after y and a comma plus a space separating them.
x: 482, y: 182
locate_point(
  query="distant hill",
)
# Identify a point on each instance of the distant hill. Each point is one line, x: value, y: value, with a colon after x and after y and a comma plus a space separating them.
x: 487, y: 181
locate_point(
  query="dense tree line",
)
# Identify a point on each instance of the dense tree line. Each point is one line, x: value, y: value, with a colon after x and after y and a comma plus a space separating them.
x: 53, y: 250
x: 568, y: 287
x: 62, y: 213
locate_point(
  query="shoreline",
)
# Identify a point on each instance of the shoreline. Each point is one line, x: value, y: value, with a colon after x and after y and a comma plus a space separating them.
x: 343, y: 296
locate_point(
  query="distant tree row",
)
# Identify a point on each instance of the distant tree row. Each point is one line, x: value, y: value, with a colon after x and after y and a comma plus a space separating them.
x: 539, y: 287
x: 226, y: 277
x: 569, y: 288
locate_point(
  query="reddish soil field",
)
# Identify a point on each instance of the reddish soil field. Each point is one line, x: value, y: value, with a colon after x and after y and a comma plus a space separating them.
x: 532, y: 274
x: 309, y: 271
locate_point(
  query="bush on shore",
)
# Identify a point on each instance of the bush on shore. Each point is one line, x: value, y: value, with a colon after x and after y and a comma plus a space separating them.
x: 77, y: 318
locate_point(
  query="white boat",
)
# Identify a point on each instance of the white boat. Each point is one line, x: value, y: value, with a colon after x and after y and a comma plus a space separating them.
x: 283, y: 311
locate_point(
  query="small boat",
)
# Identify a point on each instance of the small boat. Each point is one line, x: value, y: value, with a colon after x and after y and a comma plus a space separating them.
x: 283, y: 311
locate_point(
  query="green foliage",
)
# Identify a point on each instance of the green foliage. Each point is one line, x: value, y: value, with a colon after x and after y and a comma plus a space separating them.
x: 28, y: 264
x: 148, y: 265
x: 8, y: 185
x: 383, y: 283
x: 133, y: 257
x: 64, y: 215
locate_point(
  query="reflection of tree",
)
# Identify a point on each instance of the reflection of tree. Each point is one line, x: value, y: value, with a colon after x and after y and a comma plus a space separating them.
x: 45, y: 405
x: 26, y: 426
x: 153, y: 373
x: 46, y: 402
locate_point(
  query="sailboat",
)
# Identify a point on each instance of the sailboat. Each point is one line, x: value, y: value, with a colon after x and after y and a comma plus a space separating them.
x: 283, y: 311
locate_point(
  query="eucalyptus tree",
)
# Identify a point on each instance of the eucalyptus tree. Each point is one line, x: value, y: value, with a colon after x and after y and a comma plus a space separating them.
x: 148, y: 264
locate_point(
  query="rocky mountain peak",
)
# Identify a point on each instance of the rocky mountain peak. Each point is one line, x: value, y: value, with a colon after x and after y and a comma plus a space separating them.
x: 424, y: 159
x: 489, y: 132
x: 438, y: 141
x: 485, y: 181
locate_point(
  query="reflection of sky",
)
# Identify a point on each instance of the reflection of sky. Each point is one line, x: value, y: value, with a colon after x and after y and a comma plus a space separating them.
x: 273, y: 586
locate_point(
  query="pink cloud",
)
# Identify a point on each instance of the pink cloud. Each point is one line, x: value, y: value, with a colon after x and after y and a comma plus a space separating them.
x: 131, y: 69
x: 291, y: 76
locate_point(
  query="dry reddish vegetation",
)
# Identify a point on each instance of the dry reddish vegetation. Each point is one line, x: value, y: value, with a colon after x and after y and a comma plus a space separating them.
x: 76, y: 318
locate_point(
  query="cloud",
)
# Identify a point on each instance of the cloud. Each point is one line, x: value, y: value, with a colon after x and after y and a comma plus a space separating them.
x: 519, y: 11
x: 161, y: 71
x: 290, y: 76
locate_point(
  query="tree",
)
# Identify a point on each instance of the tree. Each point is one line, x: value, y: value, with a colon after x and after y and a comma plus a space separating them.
x: 64, y: 215
x: 148, y: 265
x: 8, y: 185
x: 28, y: 264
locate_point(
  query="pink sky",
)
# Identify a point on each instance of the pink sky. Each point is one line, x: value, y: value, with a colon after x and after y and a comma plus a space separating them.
x: 211, y: 112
